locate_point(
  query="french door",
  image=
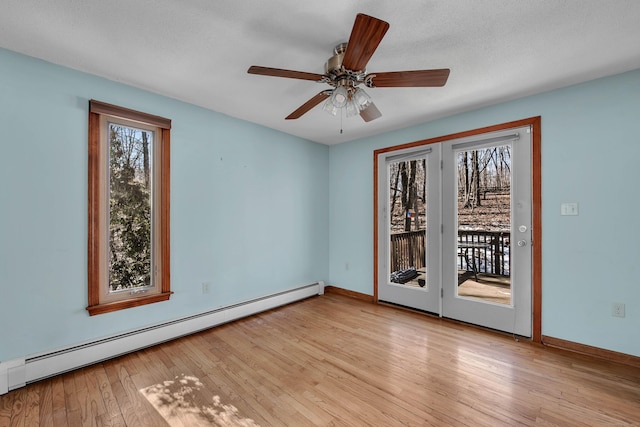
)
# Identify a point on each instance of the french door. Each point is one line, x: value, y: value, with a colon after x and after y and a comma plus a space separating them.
x: 454, y: 229
x: 487, y: 230
x: 410, y: 251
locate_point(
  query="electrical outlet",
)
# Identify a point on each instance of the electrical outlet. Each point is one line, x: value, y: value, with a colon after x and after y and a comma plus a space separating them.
x: 617, y: 309
x: 205, y: 287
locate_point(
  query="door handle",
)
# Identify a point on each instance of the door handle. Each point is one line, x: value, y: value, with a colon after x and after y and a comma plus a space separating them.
x: 522, y: 243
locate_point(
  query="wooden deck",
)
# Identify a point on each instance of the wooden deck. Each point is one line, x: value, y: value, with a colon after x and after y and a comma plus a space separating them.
x: 487, y: 287
x: 336, y: 361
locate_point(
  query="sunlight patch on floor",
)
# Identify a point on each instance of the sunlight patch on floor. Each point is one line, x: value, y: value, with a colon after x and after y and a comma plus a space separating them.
x: 181, y: 403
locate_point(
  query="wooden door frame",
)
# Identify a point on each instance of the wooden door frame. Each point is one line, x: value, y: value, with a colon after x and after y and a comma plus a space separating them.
x: 536, y: 206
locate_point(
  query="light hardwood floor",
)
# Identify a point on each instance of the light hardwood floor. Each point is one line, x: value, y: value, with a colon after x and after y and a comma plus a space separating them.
x: 334, y: 360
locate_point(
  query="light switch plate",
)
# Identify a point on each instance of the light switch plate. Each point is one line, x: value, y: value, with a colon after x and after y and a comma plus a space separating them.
x: 569, y: 209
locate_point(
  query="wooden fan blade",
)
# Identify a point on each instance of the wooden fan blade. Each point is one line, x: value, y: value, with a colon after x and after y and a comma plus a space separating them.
x: 370, y: 113
x: 417, y: 78
x: 365, y: 37
x: 278, y: 72
x: 304, y: 108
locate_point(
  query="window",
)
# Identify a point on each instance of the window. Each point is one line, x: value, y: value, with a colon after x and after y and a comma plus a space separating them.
x: 128, y: 241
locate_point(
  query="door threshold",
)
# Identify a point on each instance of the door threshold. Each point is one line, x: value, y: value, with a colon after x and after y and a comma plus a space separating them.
x: 406, y: 307
x: 430, y: 314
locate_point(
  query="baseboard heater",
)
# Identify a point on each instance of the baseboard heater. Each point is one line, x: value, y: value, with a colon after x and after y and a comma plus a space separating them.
x: 17, y: 373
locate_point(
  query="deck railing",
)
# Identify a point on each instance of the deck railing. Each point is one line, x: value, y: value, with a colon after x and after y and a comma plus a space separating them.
x: 490, y: 252
x: 407, y: 250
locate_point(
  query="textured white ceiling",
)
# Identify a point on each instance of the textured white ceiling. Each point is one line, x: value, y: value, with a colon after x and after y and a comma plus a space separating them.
x: 199, y: 51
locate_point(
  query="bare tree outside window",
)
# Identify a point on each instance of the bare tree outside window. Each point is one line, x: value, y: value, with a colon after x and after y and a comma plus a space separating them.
x: 407, y: 195
x: 484, y: 186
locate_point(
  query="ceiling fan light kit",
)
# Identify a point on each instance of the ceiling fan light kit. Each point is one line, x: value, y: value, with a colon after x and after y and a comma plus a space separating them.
x: 339, y: 97
x: 354, y: 99
x: 346, y: 70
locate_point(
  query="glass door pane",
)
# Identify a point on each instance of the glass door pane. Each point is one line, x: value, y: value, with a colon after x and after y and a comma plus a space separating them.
x: 407, y: 222
x: 484, y: 223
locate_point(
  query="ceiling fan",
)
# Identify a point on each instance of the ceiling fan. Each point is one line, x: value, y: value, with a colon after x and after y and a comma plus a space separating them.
x: 346, y: 70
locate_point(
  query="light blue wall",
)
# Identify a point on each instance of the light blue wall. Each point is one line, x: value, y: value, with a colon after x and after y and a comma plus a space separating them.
x: 255, y: 211
x: 249, y: 208
x: 590, y: 155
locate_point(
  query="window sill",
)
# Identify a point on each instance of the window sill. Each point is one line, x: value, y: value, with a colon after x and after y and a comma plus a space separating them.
x: 128, y: 303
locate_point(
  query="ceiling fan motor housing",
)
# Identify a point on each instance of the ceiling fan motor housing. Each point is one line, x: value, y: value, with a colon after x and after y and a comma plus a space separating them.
x: 335, y: 72
x: 334, y: 64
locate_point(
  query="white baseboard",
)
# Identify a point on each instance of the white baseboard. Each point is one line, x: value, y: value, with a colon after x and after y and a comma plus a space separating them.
x: 17, y: 373
x: 12, y: 375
